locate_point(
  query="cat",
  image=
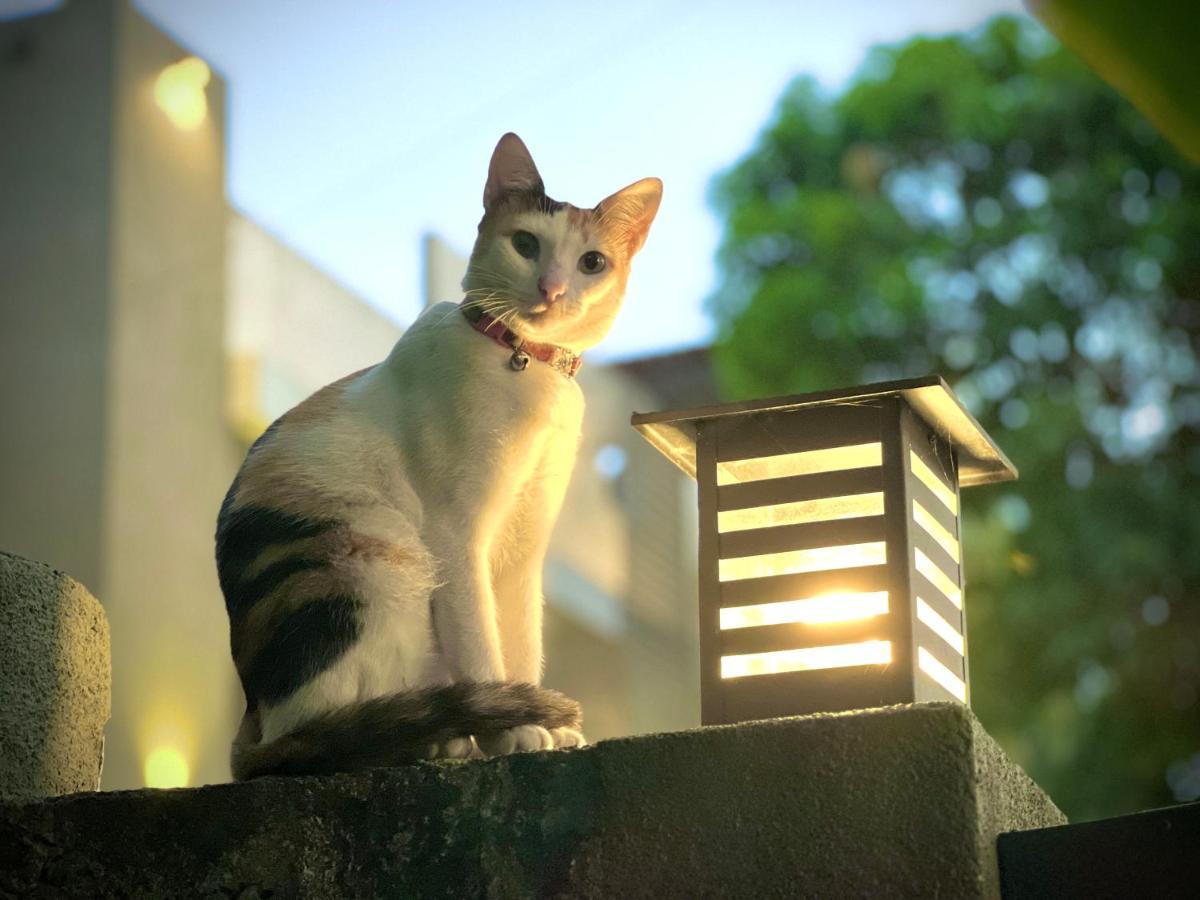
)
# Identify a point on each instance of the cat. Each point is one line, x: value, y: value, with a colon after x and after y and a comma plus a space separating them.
x: 381, y: 548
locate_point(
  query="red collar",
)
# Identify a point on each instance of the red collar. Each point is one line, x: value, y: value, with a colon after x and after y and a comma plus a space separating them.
x: 556, y: 357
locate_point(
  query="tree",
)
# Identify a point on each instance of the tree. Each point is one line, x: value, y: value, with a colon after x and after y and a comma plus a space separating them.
x: 985, y: 207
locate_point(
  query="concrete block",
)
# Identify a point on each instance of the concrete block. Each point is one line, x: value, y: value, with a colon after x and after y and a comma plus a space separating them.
x: 55, y: 679
x: 897, y: 802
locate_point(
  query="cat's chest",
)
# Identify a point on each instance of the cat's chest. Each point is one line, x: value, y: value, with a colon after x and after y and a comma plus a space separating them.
x: 537, y: 400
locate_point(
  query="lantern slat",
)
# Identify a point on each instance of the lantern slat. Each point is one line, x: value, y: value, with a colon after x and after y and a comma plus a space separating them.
x: 811, y: 584
x: 854, y: 687
x: 948, y: 625
x: 796, y: 537
x: 945, y: 654
x: 938, y: 603
x: 764, y: 434
x: 937, y: 555
x: 799, y: 487
x: 923, y: 495
x: 923, y: 587
x: 932, y: 691
x: 797, y: 636
x: 935, y: 681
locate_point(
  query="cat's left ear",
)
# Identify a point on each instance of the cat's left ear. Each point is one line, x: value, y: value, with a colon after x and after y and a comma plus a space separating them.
x: 511, y: 171
x: 630, y: 211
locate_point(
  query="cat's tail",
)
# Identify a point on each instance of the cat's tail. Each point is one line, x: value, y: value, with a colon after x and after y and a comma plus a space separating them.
x: 398, y: 729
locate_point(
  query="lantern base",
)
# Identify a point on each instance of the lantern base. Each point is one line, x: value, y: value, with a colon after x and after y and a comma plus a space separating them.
x: 901, y: 801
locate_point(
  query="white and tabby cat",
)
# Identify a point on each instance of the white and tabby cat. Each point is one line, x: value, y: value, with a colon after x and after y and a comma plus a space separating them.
x: 381, y: 549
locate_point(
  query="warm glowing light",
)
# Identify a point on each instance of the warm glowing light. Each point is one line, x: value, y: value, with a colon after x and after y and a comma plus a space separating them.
x: 166, y: 767
x: 934, y: 529
x: 939, y: 579
x: 933, y: 482
x: 940, y: 626
x: 867, y: 653
x: 932, y: 667
x: 827, y: 509
x: 179, y: 92
x: 807, y: 462
x: 812, y: 611
x: 793, y: 562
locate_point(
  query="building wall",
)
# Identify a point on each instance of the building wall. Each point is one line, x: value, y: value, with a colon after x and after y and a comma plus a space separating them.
x: 169, y: 457
x: 291, y: 327
x: 56, y: 76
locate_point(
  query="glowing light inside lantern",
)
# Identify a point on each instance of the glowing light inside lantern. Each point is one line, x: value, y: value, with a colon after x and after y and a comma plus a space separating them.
x: 932, y: 667
x: 806, y: 462
x: 933, y: 482
x: 851, y: 506
x: 811, y: 611
x: 934, y: 529
x: 166, y: 767
x: 794, y: 562
x: 179, y: 92
x: 940, y: 626
x: 939, y: 579
x: 838, y: 656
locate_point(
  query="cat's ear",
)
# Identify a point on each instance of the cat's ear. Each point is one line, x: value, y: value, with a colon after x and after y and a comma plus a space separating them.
x: 629, y: 212
x: 511, y: 170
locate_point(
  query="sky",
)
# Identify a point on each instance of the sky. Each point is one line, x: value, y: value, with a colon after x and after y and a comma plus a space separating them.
x: 354, y: 128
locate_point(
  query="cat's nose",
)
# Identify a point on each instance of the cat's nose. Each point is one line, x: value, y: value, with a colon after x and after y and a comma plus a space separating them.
x: 551, y: 289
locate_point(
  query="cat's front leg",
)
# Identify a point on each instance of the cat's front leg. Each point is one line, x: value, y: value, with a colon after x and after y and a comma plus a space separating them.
x: 518, y: 582
x: 463, y: 608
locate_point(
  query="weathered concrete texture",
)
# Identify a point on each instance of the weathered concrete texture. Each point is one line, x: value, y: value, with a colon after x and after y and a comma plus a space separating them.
x: 54, y: 682
x: 878, y: 803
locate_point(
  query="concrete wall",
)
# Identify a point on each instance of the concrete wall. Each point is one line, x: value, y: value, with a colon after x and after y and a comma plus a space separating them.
x: 56, y: 75
x: 169, y: 458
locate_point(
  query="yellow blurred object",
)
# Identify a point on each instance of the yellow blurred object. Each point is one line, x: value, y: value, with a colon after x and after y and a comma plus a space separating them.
x: 179, y: 92
x: 1022, y: 563
x: 166, y: 767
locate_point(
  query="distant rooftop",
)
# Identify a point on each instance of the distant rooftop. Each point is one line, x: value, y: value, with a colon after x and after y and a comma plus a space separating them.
x: 681, y: 379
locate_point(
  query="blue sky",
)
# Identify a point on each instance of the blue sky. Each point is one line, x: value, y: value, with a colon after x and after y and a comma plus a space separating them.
x: 356, y: 127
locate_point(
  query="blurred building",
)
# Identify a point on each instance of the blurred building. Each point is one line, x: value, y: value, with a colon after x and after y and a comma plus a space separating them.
x: 148, y: 333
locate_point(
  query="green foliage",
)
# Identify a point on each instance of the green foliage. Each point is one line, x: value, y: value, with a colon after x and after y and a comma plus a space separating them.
x: 985, y: 207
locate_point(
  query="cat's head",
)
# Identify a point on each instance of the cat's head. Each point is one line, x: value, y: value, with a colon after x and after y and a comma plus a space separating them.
x: 553, y: 272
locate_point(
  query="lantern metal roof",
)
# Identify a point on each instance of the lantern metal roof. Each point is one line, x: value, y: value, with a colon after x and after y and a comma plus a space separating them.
x: 673, y: 432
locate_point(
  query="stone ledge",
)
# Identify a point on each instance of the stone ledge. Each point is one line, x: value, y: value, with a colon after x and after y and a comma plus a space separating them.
x: 903, y: 801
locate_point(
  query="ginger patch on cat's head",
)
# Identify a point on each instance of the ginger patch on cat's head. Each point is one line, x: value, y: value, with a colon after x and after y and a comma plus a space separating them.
x: 551, y: 271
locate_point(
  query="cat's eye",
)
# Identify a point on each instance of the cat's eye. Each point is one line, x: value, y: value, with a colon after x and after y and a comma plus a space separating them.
x: 592, y: 262
x: 525, y: 244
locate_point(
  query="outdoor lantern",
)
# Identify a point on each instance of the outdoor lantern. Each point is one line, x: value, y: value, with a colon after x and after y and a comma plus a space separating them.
x: 830, y: 545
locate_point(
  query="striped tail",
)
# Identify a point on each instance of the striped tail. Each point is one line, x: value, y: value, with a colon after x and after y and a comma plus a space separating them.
x: 398, y: 729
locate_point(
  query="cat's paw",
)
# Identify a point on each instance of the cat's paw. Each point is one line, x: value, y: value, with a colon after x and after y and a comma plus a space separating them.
x: 454, y: 748
x: 515, y: 740
x: 567, y: 737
